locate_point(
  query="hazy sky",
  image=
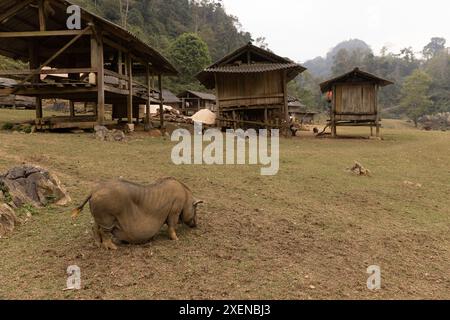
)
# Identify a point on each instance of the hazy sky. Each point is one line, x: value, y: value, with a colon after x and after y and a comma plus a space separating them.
x: 304, y: 29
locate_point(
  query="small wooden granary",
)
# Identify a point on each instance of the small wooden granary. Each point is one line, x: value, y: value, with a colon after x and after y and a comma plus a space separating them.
x: 193, y: 101
x: 354, y: 100
x: 251, y: 88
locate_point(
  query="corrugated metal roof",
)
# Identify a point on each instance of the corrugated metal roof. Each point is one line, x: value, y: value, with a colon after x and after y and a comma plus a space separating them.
x: 170, y: 97
x: 252, y: 68
x: 201, y: 95
x: 249, y: 59
x: 355, y: 74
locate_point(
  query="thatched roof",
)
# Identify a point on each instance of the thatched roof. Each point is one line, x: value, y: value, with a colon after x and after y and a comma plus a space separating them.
x: 28, y: 19
x: 355, y: 75
x: 249, y: 59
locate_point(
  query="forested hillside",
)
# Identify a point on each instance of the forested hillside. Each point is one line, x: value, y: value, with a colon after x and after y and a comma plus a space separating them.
x: 159, y: 22
x: 190, y: 33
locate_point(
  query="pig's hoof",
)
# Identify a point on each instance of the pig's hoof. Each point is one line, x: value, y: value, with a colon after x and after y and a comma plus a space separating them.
x: 109, y: 245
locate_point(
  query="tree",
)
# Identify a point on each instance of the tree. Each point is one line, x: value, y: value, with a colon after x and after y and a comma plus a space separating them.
x: 190, y: 55
x: 415, y: 99
x: 434, y: 47
x: 262, y: 43
x: 438, y: 68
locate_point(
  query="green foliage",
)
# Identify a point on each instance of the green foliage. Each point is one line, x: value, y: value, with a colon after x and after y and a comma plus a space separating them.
x: 190, y: 54
x: 28, y: 209
x: 160, y: 22
x: 415, y: 98
x: 435, y: 46
x: 7, y: 126
x: 305, y: 87
x: 438, y: 68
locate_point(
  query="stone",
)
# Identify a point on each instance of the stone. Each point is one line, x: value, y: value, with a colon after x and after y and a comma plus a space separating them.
x: 32, y: 185
x: 103, y: 134
x: 8, y: 220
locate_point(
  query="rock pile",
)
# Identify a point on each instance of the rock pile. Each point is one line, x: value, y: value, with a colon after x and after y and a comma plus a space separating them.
x: 103, y: 134
x: 439, y: 121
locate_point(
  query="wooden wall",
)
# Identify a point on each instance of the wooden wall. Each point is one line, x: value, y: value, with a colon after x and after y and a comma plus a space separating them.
x: 355, y: 102
x: 257, y: 89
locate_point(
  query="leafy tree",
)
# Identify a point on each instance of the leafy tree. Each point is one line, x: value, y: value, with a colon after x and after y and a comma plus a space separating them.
x: 434, y: 47
x: 305, y: 87
x: 438, y: 68
x: 415, y: 99
x: 190, y: 54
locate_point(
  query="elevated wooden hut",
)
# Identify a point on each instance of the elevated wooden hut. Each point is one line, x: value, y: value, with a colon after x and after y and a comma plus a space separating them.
x: 354, y: 100
x: 99, y: 62
x: 251, y: 87
x: 299, y: 112
x: 193, y: 101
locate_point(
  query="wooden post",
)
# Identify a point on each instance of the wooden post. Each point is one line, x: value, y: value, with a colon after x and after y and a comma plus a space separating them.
x: 218, y: 110
x: 130, y: 89
x: 266, y: 117
x: 120, y: 67
x: 34, y: 64
x: 377, y: 108
x: 285, y: 105
x: 234, y: 119
x: 98, y: 63
x: 147, y: 111
x: 161, y: 102
x: 72, y: 109
x: 39, y: 113
x: 333, y: 113
x: 42, y: 26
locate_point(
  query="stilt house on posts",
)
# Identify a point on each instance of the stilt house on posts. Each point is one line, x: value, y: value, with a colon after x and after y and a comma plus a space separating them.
x: 354, y: 100
x: 96, y: 62
x: 251, y: 88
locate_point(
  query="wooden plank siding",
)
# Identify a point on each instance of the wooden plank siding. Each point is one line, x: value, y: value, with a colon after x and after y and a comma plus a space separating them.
x: 355, y: 102
x: 259, y: 89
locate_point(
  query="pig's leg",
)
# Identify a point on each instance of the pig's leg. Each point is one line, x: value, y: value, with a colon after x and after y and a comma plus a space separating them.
x: 172, y: 222
x: 97, y: 235
x: 107, y: 239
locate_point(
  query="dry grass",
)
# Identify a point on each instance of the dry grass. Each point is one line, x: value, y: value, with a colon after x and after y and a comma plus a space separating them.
x: 312, y: 225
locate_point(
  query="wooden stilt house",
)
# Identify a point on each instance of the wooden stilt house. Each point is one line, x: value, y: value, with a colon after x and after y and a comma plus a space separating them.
x: 251, y: 88
x: 354, y: 100
x: 98, y: 61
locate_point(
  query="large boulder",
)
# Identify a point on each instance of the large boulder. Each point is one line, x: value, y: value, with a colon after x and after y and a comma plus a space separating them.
x: 27, y: 186
x: 32, y: 185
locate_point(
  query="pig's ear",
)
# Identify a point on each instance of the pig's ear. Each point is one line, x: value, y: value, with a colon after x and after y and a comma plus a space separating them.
x: 197, y: 202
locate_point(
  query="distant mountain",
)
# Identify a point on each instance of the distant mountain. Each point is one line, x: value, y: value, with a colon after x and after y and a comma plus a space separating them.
x: 320, y: 67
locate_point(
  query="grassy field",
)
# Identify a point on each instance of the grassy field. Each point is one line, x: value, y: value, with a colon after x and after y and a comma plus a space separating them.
x: 310, y: 232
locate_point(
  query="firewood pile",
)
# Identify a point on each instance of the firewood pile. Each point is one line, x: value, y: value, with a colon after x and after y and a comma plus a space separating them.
x: 172, y: 115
